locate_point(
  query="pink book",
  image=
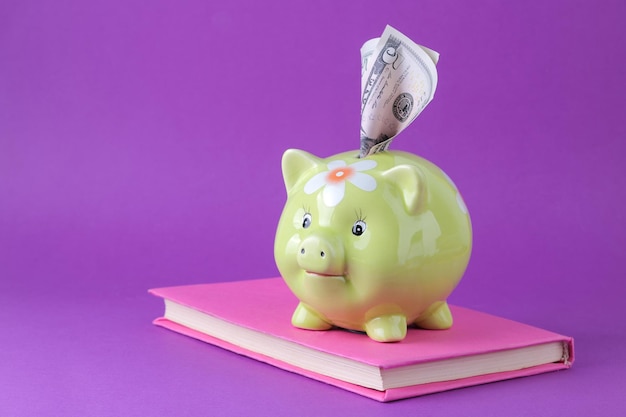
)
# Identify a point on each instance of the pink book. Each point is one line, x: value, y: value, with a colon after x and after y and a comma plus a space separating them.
x: 253, y: 318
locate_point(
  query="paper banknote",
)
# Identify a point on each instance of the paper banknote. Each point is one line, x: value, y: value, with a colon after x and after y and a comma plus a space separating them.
x: 398, y: 79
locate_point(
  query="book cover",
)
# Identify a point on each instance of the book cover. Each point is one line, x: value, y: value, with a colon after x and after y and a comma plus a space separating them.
x: 265, y: 307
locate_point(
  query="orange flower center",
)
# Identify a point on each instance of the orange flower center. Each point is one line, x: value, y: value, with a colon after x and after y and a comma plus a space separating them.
x: 339, y: 174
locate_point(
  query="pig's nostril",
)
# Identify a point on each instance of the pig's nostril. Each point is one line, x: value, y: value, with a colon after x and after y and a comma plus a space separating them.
x: 302, y: 251
x: 322, y: 254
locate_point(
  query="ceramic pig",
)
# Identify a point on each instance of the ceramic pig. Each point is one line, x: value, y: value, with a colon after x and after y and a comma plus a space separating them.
x: 371, y: 244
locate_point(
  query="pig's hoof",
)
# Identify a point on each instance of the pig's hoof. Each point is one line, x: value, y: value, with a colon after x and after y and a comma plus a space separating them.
x: 390, y: 328
x: 306, y: 318
x: 436, y: 317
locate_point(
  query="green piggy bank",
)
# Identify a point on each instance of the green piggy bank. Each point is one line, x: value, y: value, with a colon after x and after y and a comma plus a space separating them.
x: 371, y: 244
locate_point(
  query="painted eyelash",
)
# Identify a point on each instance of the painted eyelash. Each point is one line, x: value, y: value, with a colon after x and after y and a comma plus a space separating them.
x: 359, y: 215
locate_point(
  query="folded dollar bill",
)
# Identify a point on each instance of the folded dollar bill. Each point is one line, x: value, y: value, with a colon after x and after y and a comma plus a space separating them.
x: 398, y: 79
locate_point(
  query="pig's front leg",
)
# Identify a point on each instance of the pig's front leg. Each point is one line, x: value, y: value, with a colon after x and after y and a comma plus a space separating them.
x: 436, y: 317
x: 305, y: 317
x: 387, y: 328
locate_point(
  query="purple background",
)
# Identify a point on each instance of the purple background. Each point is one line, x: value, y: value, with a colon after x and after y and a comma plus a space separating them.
x: 140, y: 146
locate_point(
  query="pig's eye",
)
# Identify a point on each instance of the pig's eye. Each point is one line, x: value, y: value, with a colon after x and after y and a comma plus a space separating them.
x: 306, y: 220
x: 358, y: 227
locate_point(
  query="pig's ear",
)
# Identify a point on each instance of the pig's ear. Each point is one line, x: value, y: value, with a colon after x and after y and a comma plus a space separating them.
x: 410, y: 180
x: 295, y: 163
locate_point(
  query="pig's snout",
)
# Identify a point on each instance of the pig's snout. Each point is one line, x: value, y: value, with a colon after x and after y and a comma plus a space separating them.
x: 322, y: 256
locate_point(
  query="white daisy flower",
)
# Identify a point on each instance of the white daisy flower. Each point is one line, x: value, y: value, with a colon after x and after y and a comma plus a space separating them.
x: 334, y: 180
